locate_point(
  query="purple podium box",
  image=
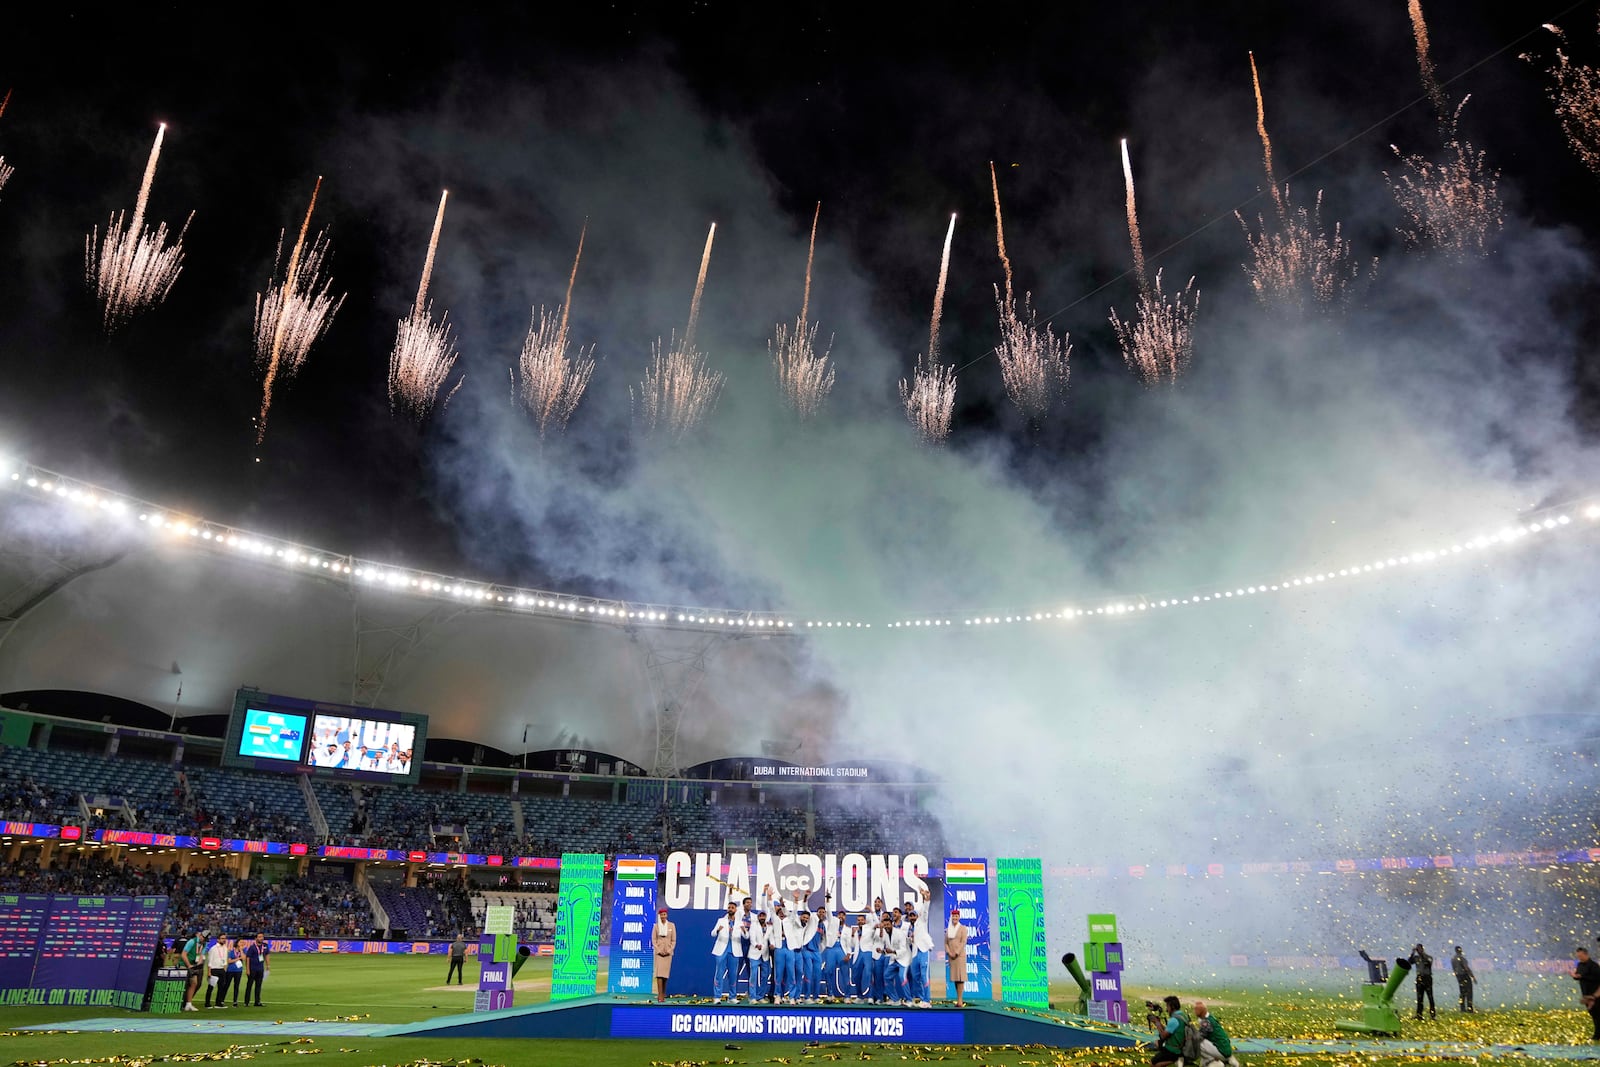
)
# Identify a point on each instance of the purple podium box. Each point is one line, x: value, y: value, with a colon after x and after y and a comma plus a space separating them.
x: 1105, y: 985
x: 491, y: 1000
x: 1113, y: 957
x: 1109, y: 1011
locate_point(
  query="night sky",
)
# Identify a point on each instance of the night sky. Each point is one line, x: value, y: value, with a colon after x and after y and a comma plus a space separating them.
x: 538, y: 118
x: 1448, y: 398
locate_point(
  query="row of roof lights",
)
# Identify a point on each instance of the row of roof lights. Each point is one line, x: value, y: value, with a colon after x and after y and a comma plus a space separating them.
x: 1506, y: 536
x: 442, y: 586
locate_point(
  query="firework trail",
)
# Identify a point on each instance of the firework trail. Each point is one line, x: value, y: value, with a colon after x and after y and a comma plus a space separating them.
x: 133, y: 268
x: 804, y: 376
x: 290, y: 317
x: 1033, y: 361
x: 1295, y: 262
x: 1430, y: 81
x: 929, y: 395
x: 1575, y: 89
x: 679, y: 390
x: 1266, y: 141
x: 699, y: 291
x: 1159, y: 342
x: 5, y: 171
x: 811, y: 255
x: 423, y: 352
x: 551, y: 382
x: 572, y: 278
x: 1452, y: 205
x: 1000, y: 232
x: 1133, y: 219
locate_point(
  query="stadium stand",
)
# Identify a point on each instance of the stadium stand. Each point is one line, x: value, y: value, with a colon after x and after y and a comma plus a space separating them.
x: 231, y: 803
x: 126, y: 793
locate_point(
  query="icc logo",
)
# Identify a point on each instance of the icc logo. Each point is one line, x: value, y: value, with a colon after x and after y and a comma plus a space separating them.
x: 796, y: 876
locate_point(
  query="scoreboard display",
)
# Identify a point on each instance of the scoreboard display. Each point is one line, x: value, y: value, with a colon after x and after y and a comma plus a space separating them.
x: 87, y: 951
x: 273, y: 735
x: 277, y: 733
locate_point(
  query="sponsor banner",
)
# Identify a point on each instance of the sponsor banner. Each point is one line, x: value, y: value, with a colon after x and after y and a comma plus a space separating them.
x: 970, y: 893
x: 698, y: 886
x: 22, y: 918
x: 633, y: 913
x: 393, y: 948
x: 702, y: 881
x: 1024, y: 973
x: 77, y: 951
x: 776, y: 1024
x: 139, y: 837
x: 577, y: 964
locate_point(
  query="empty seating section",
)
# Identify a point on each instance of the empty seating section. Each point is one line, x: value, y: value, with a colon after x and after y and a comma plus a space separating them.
x: 425, y: 911
x: 536, y: 912
x: 338, y: 803
x: 573, y: 825
x: 48, y: 785
x: 232, y: 803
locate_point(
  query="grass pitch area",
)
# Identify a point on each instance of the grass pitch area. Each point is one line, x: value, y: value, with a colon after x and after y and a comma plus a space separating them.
x: 398, y: 989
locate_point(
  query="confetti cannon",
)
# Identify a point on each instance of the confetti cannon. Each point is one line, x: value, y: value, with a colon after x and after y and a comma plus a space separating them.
x: 1070, y: 962
x: 1377, y: 1004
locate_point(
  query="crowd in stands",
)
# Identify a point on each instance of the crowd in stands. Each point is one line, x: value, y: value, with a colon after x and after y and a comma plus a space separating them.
x: 24, y: 800
x: 211, y: 899
x: 117, y: 793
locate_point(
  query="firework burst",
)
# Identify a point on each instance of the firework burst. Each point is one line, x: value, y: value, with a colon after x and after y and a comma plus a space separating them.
x: 1295, y: 263
x: 1159, y: 341
x: 1033, y: 360
x: 133, y: 267
x: 1451, y: 204
x: 5, y: 171
x: 291, y: 316
x: 804, y: 374
x: 1575, y: 89
x: 423, y: 352
x: 679, y: 390
x: 929, y: 395
x: 551, y: 383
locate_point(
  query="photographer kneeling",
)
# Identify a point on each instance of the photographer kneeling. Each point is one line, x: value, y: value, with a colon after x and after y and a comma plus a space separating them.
x: 1169, y: 1047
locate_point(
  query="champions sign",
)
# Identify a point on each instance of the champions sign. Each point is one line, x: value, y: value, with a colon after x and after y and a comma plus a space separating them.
x: 703, y: 882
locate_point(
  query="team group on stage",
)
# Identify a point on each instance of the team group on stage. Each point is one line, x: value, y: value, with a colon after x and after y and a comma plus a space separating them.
x: 788, y: 954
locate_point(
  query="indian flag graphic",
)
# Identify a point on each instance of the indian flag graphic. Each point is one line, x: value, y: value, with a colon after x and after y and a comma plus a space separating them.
x: 636, y: 870
x: 957, y: 872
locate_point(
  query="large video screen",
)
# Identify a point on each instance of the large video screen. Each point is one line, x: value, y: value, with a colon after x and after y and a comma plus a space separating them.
x: 292, y: 735
x: 342, y: 742
x: 274, y: 735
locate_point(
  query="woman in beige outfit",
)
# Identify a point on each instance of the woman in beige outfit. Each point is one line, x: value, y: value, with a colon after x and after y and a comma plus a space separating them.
x: 955, y: 950
x: 664, y: 940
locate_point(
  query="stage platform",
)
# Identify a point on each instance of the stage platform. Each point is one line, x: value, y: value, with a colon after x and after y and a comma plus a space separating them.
x: 688, y: 1019
x: 624, y: 1017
